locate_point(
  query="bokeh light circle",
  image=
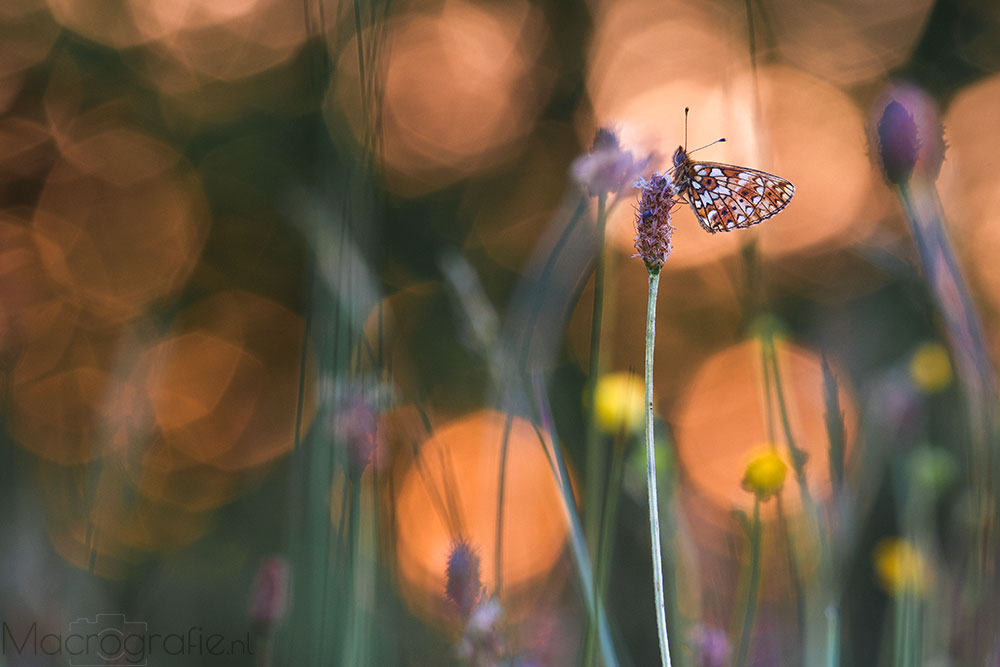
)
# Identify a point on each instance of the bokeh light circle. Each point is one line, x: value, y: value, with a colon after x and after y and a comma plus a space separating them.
x: 120, y: 223
x: 721, y: 422
x: 458, y: 90
x: 461, y: 460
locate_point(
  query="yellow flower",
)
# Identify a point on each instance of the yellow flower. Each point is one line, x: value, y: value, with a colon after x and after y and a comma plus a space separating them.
x: 765, y: 475
x: 930, y: 368
x: 900, y: 567
x: 619, y: 404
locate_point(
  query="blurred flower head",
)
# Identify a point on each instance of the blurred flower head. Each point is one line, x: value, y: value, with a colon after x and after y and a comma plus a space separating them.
x: 354, y: 408
x: 353, y: 423
x: 657, y: 198
x: 711, y: 644
x: 897, y: 143
x: 930, y: 368
x: 901, y: 568
x: 464, y: 586
x: 924, y: 112
x: 765, y: 475
x: 269, y: 596
x: 619, y: 404
x: 933, y: 469
x: 606, y: 168
x: 481, y: 644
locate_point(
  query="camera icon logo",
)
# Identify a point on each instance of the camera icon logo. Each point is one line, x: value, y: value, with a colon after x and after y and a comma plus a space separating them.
x: 109, y: 639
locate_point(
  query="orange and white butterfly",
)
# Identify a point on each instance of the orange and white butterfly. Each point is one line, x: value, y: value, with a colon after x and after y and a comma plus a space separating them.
x: 725, y: 197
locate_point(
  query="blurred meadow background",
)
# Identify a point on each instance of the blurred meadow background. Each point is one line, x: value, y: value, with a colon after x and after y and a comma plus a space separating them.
x: 300, y: 343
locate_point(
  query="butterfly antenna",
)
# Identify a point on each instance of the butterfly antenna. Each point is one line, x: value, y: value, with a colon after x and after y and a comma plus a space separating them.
x: 686, y: 111
x: 717, y: 141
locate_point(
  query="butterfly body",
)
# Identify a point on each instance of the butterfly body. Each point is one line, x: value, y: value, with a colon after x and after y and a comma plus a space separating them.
x: 725, y: 197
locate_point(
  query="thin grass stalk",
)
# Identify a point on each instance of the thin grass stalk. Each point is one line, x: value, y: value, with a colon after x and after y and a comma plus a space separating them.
x: 501, y: 488
x: 833, y: 636
x: 595, y: 451
x: 466, y: 287
x: 595, y: 605
x: 793, y: 573
x: 751, y: 606
x: 654, y: 513
x: 604, y: 545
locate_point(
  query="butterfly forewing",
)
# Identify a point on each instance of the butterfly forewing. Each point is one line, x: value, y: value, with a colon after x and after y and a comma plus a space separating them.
x: 725, y: 197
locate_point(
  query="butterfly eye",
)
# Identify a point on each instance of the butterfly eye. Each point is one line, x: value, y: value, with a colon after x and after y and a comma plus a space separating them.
x: 679, y: 156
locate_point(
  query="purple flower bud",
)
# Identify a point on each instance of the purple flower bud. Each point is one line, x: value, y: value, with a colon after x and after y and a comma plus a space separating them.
x: 464, y: 586
x: 657, y: 198
x: 927, y: 117
x: 269, y: 597
x: 897, y: 143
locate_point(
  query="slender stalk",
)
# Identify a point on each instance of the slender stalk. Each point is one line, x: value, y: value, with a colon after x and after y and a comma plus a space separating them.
x: 833, y: 636
x: 751, y: 608
x: 595, y: 605
x: 501, y: 484
x: 654, y: 514
x: 608, y: 522
x: 595, y: 453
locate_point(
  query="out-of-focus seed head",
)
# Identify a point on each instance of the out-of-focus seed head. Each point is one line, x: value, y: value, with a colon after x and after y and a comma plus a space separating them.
x: 653, y: 231
x: 464, y: 586
x: 897, y: 143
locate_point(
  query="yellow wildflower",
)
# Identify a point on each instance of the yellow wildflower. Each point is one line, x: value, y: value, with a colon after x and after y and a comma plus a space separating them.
x: 930, y: 368
x: 765, y: 475
x: 619, y: 404
x: 900, y: 567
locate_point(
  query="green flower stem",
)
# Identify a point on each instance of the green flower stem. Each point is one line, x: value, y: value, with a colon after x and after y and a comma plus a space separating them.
x: 604, y: 547
x: 654, y: 519
x: 595, y: 453
x: 833, y: 636
x: 751, y: 608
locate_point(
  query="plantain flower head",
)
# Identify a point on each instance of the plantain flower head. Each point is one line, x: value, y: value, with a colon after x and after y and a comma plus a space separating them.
x: 653, y: 231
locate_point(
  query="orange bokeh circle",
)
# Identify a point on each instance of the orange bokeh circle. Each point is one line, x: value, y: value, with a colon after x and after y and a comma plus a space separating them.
x: 721, y: 422
x: 224, y: 387
x: 120, y: 223
x: 460, y: 460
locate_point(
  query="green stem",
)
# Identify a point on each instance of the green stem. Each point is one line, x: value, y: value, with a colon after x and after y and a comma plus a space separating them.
x: 604, y: 545
x: 595, y: 606
x: 654, y: 514
x: 833, y: 636
x: 501, y: 484
x: 751, y: 607
x: 595, y: 453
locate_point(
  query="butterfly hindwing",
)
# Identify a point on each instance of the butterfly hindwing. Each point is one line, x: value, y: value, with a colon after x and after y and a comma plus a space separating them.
x: 726, y: 197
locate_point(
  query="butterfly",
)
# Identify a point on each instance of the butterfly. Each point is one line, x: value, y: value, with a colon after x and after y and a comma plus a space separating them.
x: 725, y: 197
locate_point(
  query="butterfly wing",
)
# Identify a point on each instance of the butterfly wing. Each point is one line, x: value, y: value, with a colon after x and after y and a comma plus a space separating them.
x: 725, y: 197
